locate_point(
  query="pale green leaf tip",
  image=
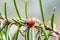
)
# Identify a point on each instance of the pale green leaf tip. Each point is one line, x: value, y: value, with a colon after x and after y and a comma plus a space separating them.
x: 54, y: 9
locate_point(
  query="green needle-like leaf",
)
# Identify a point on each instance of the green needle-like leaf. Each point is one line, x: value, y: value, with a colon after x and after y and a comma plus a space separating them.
x: 15, y: 21
x: 38, y: 21
x: 26, y: 13
x: 26, y: 37
x: 7, y: 33
x: 0, y: 26
x: 18, y: 22
x: 42, y: 12
x: 44, y: 31
x: 26, y: 8
x: 15, y: 37
x: 50, y: 32
x: 20, y: 25
x: 3, y: 36
x: 18, y: 13
x: 27, y: 34
x: 5, y: 11
x: 52, y: 18
x: 0, y: 36
x: 0, y: 14
x: 40, y: 36
x: 32, y: 33
x: 51, y: 23
x: 21, y: 33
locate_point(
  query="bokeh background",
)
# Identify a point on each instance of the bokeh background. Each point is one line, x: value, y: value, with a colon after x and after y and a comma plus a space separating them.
x: 33, y: 10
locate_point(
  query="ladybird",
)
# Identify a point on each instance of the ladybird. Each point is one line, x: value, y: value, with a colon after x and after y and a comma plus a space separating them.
x: 30, y: 22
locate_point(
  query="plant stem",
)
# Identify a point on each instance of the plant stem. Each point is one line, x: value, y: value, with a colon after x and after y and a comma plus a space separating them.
x: 42, y: 12
x: 17, y: 9
x: 26, y: 9
x: 5, y: 11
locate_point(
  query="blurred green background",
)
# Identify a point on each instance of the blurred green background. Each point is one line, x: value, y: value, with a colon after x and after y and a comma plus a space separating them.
x: 33, y: 9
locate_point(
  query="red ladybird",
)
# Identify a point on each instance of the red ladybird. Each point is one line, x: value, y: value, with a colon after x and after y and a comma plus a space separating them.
x: 30, y: 22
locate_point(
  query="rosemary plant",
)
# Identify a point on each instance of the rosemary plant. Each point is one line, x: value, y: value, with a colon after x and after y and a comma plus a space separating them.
x: 27, y: 22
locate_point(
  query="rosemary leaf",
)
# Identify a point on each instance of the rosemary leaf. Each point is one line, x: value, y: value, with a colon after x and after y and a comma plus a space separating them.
x: 18, y: 13
x: 40, y: 36
x: 42, y: 12
x: 0, y: 14
x: 52, y: 18
x: 26, y: 8
x: 45, y: 34
x: 27, y: 34
x: 15, y: 37
x: 21, y: 33
x: 32, y: 33
x: 5, y: 11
